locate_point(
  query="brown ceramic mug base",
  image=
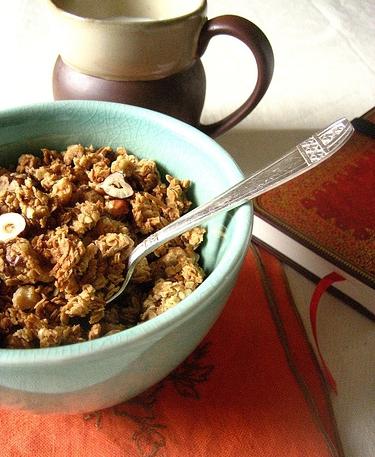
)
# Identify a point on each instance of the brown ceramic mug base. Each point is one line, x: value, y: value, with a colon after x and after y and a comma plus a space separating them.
x: 180, y: 95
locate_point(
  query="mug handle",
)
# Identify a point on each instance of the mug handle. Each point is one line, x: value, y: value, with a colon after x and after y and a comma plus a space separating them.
x: 251, y: 35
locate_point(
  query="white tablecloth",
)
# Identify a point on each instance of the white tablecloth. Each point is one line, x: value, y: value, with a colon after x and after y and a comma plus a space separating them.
x: 324, y: 69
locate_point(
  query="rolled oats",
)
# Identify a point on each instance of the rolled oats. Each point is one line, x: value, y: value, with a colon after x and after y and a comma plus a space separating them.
x: 57, y: 273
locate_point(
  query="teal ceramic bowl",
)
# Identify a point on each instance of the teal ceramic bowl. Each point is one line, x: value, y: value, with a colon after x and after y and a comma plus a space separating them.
x: 96, y: 374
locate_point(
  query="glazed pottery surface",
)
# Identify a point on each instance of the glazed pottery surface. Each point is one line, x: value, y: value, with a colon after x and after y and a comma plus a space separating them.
x: 147, y: 53
x: 100, y: 373
x: 128, y: 40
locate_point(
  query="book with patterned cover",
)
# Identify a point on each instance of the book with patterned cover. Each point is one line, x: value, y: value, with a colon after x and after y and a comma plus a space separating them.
x: 324, y: 220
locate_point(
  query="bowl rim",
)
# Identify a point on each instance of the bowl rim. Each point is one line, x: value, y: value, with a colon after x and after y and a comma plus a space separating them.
x: 230, y: 258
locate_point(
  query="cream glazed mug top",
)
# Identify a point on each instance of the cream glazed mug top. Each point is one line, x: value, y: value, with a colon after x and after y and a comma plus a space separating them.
x: 129, y: 40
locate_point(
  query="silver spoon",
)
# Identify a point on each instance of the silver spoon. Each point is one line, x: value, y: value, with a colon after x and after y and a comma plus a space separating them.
x: 306, y: 155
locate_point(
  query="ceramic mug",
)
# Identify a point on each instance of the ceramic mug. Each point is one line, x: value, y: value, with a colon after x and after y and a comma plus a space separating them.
x: 147, y: 53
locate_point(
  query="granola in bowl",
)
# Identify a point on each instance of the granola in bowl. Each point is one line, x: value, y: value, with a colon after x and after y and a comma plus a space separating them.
x: 68, y: 222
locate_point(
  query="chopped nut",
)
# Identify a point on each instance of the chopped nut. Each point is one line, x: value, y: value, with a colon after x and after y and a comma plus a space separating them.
x: 11, y: 225
x: 25, y: 297
x: 116, y: 186
x: 62, y: 191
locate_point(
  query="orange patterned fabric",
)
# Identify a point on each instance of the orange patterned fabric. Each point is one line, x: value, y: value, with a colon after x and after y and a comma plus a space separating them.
x: 330, y: 209
x: 252, y: 388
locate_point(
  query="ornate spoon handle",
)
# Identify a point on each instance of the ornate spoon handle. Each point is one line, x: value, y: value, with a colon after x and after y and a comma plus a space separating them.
x: 303, y: 157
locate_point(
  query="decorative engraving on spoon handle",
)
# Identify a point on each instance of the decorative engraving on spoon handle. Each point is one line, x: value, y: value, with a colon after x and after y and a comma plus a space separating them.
x: 306, y: 155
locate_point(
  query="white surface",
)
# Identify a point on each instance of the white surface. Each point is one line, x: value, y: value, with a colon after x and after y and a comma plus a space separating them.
x: 324, y: 69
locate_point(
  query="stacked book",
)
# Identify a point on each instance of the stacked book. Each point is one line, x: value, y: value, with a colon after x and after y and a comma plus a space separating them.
x: 324, y: 220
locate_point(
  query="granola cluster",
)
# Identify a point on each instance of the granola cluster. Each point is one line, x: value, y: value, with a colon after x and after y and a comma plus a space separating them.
x: 72, y: 249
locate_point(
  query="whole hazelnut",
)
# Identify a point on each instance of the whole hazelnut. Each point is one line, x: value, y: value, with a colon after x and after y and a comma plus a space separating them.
x: 117, y: 208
